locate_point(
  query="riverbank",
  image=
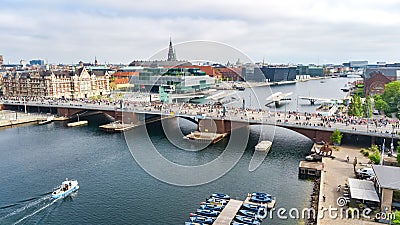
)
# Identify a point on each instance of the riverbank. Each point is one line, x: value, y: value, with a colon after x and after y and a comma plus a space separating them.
x: 10, y: 118
x: 335, y: 172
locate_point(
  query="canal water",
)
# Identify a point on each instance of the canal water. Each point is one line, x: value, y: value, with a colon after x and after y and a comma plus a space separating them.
x: 114, y: 189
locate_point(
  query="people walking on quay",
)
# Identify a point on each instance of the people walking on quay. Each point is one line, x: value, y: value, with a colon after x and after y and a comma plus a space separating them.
x: 355, y: 164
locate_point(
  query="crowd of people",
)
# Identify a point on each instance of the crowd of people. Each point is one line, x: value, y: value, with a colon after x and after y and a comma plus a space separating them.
x: 380, y: 124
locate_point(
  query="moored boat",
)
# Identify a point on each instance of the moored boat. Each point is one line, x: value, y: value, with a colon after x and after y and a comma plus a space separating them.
x: 201, y: 219
x: 66, y: 188
x: 248, y: 213
x: 207, y: 212
x: 221, y: 196
x: 212, y: 207
x: 217, y: 201
x: 259, y: 197
x: 252, y: 207
x: 247, y: 220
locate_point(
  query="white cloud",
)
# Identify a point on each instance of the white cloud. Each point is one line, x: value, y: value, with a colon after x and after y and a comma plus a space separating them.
x: 281, y: 31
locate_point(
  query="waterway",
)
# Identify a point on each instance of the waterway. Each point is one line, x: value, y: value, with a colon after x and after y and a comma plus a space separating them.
x: 114, y: 189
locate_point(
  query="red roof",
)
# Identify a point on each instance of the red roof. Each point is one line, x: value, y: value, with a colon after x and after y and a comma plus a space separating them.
x: 125, y: 74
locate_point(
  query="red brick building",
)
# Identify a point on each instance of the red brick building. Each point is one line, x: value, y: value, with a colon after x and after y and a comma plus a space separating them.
x: 376, y: 84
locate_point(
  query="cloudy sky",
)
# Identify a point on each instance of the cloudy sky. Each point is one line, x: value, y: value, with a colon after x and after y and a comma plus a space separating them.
x: 281, y: 31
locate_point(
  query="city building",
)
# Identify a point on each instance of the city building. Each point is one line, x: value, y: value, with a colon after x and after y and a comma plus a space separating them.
x: 170, y: 62
x: 315, y: 71
x: 388, y: 186
x: 173, y: 80
x: 70, y: 84
x: 38, y: 62
x: 1, y: 60
x: 279, y: 73
x: 358, y: 64
x: 376, y: 78
x: 311, y: 70
x: 228, y: 72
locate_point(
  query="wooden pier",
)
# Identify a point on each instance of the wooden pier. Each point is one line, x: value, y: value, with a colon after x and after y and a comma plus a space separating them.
x: 79, y: 123
x: 228, y: 213
x: 204, y: 137
x: 117, y: 127
x: 310, y: 169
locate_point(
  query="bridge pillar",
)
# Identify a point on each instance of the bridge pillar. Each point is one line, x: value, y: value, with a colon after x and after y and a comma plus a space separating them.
x: 373, y: 140
x: 127, y: 117
x: 219, y: 126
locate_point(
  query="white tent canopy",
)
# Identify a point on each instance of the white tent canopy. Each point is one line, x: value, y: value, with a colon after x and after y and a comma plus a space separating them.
x: 363, y: 190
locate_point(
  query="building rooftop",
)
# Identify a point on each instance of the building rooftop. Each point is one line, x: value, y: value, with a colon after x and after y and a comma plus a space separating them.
x: 387, y: 176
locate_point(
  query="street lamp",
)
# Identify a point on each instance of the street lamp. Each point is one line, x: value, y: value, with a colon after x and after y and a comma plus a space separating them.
x: 392, y: 145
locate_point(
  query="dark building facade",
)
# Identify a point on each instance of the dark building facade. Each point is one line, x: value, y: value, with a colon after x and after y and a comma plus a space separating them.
x: 277, y: 74
x: 39, y: 62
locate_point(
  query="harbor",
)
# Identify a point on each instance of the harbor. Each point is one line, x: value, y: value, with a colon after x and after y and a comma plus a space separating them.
x: 111, y: 154
x: 221, y: 209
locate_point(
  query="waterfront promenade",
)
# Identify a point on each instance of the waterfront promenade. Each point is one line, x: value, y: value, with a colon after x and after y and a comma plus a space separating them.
x: 9, y: 118
x: 336, y: 171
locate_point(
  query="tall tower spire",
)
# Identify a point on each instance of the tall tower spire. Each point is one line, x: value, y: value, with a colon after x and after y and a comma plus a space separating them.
x: 171, y: 54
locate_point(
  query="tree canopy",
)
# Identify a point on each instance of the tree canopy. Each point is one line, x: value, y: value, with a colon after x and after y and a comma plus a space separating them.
x: 356, y: 106
x: 391, y: 96
x: 336, y: 137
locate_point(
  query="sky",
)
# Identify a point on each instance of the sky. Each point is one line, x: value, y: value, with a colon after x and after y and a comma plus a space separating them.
x: 281, y: 31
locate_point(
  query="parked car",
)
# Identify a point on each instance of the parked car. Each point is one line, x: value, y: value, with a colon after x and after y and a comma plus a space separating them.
x: 314, y: 158
x: 365, y: 173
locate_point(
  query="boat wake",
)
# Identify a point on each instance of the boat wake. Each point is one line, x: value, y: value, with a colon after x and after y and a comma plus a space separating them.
x: 17, y: 212
x: 37, y: 211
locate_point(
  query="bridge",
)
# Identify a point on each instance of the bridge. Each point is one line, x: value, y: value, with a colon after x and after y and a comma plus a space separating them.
x: 315, y: 99
x: 209, y: 118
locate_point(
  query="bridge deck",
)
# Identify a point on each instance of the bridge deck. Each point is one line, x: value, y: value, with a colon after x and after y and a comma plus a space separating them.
x: 228, y: 213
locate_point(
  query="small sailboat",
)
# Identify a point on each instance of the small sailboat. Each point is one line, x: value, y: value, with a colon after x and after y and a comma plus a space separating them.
x: 66, y: 188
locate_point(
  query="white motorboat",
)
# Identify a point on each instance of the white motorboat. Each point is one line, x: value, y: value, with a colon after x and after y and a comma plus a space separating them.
x: 66, y: 188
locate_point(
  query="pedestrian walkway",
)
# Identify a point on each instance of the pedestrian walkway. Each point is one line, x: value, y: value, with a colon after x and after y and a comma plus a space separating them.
x: 336, y: 171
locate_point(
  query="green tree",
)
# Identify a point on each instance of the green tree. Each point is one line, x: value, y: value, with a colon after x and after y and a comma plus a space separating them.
x: 379, y: 103
x: 355, y: 108
x: 367, y: 107
x: 391, y: 96
x: 396, y: 220
x: 375, y: 157
x: 336, y: 137
x: 398, y: 153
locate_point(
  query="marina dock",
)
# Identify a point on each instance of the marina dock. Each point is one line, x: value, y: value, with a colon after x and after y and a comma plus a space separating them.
x: 117, y: 127
x: 234, y: 209
x: 204, y: 137
x: 77, y: 124
x: 310, y: 169
x: 229, y: 212
x: 264, y: 146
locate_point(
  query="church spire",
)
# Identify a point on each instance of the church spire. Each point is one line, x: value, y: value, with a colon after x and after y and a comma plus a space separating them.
x: 171, y: 54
